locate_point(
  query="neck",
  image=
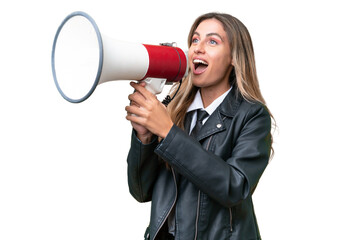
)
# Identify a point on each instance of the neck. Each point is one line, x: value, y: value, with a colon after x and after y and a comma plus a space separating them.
x: 209, y: 94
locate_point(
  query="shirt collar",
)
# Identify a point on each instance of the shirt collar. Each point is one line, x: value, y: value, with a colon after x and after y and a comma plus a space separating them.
x: 198, y: 104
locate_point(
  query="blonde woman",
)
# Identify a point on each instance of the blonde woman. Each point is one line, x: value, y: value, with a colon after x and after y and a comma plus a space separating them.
x: 200, y: 174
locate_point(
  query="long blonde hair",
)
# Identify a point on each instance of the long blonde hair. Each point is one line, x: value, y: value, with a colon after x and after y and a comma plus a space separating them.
x: 243, y: 75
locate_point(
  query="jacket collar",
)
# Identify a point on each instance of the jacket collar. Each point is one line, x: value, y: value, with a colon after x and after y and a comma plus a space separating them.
x: 231, y: 103
x: 227, y: 108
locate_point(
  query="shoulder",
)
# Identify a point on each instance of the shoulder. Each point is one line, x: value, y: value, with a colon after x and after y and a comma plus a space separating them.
x: 252, y: 117
x: 252, y: 109
x: 236, y: 106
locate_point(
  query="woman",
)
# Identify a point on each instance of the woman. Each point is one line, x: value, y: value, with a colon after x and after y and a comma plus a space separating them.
x: 201, y: 185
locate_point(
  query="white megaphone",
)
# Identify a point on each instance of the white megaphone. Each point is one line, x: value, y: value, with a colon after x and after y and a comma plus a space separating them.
x: 82, y: 59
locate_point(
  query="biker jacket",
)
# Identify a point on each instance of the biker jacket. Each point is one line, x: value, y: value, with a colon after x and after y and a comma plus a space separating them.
x: 211, y: 179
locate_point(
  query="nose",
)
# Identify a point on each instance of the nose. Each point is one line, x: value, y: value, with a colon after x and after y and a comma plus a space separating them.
x: 199, y: 48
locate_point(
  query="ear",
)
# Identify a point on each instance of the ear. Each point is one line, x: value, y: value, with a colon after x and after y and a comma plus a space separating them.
x: 232, y: 59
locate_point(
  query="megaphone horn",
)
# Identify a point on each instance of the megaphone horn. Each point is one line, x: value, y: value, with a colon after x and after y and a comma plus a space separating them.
x: 82, y: 59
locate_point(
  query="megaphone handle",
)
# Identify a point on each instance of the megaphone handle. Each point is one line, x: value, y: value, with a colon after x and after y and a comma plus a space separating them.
x: 155, y: 85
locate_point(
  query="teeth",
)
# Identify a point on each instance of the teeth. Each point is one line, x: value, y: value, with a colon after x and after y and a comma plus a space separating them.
x: 198, y: 61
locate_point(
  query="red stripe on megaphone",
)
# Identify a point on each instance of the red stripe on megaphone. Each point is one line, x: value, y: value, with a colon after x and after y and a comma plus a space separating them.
x: 166, y: 62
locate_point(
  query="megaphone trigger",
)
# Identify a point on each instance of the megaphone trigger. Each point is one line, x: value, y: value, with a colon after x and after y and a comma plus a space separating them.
x: 155, y: 85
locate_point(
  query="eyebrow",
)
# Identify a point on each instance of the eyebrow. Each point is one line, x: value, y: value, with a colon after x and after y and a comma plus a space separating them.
x: 210, y: 34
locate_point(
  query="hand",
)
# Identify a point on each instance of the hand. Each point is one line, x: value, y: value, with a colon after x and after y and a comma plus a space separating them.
x: 148, y: 112
x: 141, y: 132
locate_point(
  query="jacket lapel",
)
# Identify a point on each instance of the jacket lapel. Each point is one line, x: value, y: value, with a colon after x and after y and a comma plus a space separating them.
x: 227, y: 108
x: 187, y: 122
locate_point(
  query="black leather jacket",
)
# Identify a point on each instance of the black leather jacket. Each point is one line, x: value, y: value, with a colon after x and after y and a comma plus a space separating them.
x: 211, y: 180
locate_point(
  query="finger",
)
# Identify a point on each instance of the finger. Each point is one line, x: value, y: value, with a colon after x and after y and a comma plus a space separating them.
x: 142, y: 83
x: 137, y: 99
x: 133, y: 103
x: 133, y: 110
x: 135, y: 119
x: 130, y: 110
x: 140, y: 87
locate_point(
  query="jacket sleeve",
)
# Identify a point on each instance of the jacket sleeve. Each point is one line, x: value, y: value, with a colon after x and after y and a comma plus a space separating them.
x: 143, y: 165
x: 227, y: 181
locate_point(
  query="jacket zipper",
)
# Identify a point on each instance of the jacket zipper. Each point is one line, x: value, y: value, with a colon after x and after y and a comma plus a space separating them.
x: 208, y: 144
x: 197, y: 216
x: 172, y: 206
x: 230, y: 212
x: 198, y: 205
x: 231, y: 227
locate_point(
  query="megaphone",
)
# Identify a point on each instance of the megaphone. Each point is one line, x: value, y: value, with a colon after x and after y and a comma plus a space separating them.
x: 82, y: 59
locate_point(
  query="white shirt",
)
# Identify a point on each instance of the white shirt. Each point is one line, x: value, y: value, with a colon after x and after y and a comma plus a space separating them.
x: 198, y: 104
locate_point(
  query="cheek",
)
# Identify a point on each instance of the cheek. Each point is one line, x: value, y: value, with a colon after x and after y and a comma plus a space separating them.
x: 222, y: 57
x: 223, y: 64
x: 190, y: 54
x: 227, y: 59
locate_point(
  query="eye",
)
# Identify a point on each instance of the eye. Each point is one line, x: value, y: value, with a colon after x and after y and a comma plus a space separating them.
x: 213, y: 42
x: 195, y: 40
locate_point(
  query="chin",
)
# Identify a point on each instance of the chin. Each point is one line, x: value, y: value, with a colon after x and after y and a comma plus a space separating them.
x: 199, y: 80
x: 198, y: 83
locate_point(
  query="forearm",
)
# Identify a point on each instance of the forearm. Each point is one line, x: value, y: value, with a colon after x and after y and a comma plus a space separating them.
x: 145, y: 138
x: 228, y: 180
x: 142, y: 168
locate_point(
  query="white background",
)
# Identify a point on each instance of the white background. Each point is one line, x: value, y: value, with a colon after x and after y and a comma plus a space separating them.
x: 63, y: 166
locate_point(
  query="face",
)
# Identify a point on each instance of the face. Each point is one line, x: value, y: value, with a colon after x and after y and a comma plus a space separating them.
x: 210, y: 56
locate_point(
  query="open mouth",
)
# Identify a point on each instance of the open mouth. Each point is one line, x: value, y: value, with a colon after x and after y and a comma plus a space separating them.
x: 199, y: 66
